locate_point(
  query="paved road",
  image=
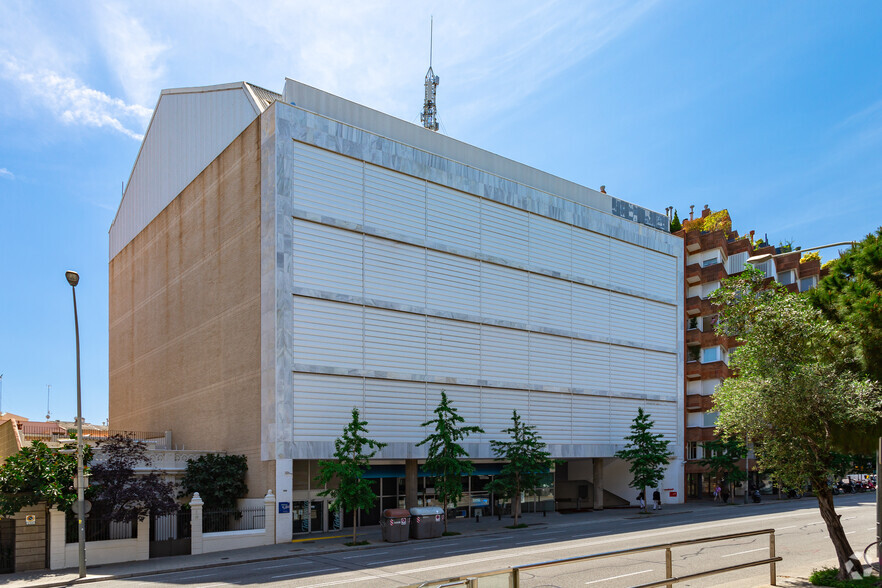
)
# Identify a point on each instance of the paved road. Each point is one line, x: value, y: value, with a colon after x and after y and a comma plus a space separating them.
x: 801, y: 539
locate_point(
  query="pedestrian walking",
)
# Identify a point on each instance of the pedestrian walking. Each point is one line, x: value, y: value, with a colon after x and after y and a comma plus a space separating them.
x: 656, y: 500
x: 641, y: 498
x: 717, y: 491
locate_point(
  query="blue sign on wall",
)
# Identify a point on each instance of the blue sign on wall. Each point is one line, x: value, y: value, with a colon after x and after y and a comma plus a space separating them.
x: 284, y: 507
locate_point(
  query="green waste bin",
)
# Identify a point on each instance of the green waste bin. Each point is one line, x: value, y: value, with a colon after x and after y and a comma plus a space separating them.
x: 426, y: 522
x: 396, y: 524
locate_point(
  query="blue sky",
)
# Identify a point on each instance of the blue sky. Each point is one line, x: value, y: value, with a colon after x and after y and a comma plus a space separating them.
x: 772, y: 110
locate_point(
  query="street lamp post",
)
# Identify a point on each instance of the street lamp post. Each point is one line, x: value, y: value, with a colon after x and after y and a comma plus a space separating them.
x: 73, y: 278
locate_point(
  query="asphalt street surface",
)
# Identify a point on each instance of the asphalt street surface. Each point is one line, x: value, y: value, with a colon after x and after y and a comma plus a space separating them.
x: 801, y: 539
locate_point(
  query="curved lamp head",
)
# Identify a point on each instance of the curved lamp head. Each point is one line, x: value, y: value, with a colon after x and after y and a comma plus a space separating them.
x: 73, y: 278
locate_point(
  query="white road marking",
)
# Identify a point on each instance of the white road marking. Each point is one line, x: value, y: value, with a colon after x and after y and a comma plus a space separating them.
x: 532, y: 542
x: 545, y: 533
x: 394, y: 560
x: 365, y: 555
x: 497, y: 538
x: 748, y: 551
x: 422, y: 548
x: 851, y: 532
x: 464, y: 550
x: 304, y: 573
x: 614, y: 577
x: 288, y: 564
x: 199, y: 576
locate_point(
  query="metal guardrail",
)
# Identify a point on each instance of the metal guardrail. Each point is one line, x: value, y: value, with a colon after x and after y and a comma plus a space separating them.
x: 512, y: 575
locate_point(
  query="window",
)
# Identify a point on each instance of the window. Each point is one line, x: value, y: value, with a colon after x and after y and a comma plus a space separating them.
x: 711, y: 261
x: 785, y: 278
x: 710, y: 354
x: 693, y: 450
x: 693, y: 353
x: 693, y: 323
x: 806, y: 283
x: 710, y: 418
x: 694, y: 419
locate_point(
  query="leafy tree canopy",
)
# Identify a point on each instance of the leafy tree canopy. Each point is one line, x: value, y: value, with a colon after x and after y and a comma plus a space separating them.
x: 676, y: 225
x: 352, y: 452
x: 36, y: 474
x: 528, y: 463
x: 721, y: 457
x: 219, y: 480
x: 447, y: 460
x: 646, y: 453
x: 119, y: 493
x: 796, y: 383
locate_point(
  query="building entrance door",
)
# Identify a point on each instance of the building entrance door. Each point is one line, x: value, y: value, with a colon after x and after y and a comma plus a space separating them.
x: 317, y: 516
x: 300, y: 516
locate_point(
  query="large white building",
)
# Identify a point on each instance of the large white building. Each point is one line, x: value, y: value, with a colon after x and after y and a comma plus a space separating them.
x: 279, y: 260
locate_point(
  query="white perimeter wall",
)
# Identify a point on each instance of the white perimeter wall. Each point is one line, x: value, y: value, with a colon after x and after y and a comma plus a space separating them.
x: 391, y: 288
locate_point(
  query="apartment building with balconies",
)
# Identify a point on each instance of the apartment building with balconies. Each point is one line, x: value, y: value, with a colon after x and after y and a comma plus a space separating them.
x: 713, y: 251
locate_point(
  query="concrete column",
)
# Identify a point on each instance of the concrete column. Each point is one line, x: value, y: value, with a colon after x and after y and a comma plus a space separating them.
x: 284, y: 498
x: 410, y: 483
x: 269, y: 527
x: 598, y: 483
x: 56, y: 539
x: 196, y: 524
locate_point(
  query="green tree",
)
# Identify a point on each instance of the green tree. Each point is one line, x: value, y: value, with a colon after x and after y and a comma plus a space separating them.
x: 796, y: 384
x: 851, y: 295
x: 721, y: 457
x: 219, y: 480
x: 676, y: 225
x: 352, y: 450
x: 528, y: 463
x: 36, y: 474
x: 447, y: 460
x: 646, y: 453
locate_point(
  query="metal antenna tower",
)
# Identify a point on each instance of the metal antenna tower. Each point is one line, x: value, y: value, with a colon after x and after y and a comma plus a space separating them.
x: 429, y: 115
x: 48, y: 390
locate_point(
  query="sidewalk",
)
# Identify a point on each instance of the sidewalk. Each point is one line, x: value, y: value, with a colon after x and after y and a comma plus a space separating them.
x: 323, y: 543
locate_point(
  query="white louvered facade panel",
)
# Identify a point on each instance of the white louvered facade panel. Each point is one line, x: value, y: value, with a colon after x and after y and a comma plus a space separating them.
x: 504, y: 232
x: 326, y: 333
x: 503, y: 292
x: 394, y: 272
x: 626, y: 266
x: 504, y: 355
x: 591, y: 419
x: 552, y: 415
x: 497, y: 405
x: 591, y: 365
x: 327, y: 259
x: 550, y: 360
x: 453, y: 349
x: 659, y: 321
x: 660, y: 274
x: 735, y: 263
x: 550, y: 244
x: 327, y: 184
x: 323, y: 405
x: 591, y: 311
x: 394, y: 410
x: 550, y: 302
x: 394, y: 202
x: 453, y: 284
x: 664, y: 419
x: 626, y: 318
x: 394, y: 341
x: 661, y: 373
x: 626, y: 370
x: 621, y: 416
x: 591, y: 256
x: 453, y: 218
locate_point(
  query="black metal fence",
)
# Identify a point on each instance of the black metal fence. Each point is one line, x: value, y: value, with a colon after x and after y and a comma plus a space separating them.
x: 99, y: 528
x: 240, y: 519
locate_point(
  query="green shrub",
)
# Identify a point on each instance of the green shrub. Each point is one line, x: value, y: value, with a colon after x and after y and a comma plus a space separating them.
x: 827, y: 577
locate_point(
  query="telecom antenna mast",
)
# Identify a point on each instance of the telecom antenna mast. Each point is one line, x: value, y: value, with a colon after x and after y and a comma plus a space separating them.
x: 429, y: 115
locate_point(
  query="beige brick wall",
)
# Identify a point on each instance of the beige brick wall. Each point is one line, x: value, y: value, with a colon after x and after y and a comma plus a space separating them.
x: 30, y: 540
x: 185, y: 316
x: 10, y: 443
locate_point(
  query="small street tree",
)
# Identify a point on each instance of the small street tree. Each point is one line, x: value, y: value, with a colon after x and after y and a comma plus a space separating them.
x: 528, y: 463
x: 36, y: 474
x: 447, y: 461
x: 647, y: 454
x: 352, y: 450
x: 721, y: 457
x: 219, y: 479
x: 119, y: 493
x: 798, y: 383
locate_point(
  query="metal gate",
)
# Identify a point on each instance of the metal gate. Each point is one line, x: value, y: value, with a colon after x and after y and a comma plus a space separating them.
x: 170, y: 534
x: 7, y: 546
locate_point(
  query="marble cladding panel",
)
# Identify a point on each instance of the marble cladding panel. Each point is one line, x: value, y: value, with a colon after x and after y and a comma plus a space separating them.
x: 268, y: 273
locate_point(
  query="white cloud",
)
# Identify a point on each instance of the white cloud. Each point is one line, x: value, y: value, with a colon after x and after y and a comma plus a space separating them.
x: 5, y: 173
x: 71, y: 101
x: 131, y: 52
